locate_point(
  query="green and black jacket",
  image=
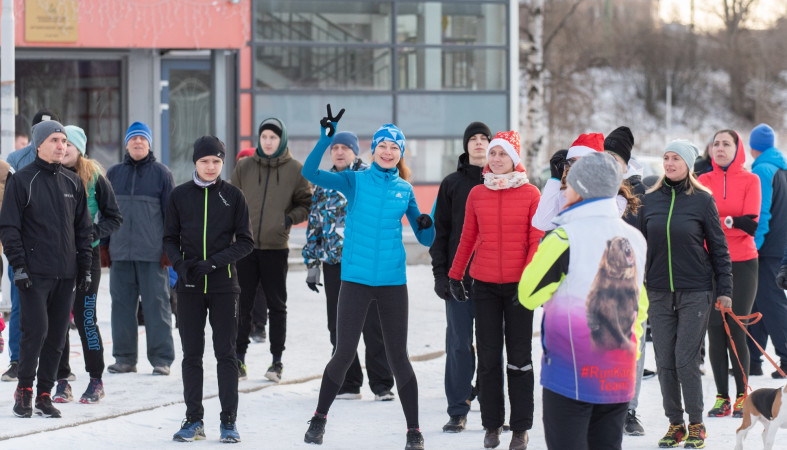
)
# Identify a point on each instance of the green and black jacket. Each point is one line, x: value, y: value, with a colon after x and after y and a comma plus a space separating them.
x: 208, y: 223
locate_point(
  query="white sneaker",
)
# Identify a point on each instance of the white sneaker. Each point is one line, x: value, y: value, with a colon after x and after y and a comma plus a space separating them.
x: 385, y: 396
x: 349, y: 396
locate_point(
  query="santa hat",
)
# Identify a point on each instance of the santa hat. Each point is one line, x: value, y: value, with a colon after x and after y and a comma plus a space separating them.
x: 509, y: 141
x: 585, y: 144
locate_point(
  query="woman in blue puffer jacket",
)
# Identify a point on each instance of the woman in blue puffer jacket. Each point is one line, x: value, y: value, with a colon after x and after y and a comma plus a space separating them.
x: 373, y: 265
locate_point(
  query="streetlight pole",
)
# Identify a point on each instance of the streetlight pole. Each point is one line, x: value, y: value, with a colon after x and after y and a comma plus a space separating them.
x: 7, y: 77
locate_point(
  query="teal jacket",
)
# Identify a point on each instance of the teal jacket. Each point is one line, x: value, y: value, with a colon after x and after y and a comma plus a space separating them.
x: 771, y: 167
x: 377, y: 199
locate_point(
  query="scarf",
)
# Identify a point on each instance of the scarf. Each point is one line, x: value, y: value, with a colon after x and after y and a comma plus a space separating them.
x: 505, y: 181
x: 203, y: 184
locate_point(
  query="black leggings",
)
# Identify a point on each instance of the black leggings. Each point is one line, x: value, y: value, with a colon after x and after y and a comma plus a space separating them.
x: 86, y: 320
x: 392, y: 304
x: 744, y: 282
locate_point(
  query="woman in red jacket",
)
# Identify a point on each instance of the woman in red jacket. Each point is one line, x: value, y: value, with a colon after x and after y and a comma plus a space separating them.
x: 497, y: 228
x: 737, y: 195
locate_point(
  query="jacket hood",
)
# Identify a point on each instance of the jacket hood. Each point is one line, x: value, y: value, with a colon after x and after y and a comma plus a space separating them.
x: 272, y: 161
x: 772, y: 156
x: 594, y: 207
x: 463, y: 165
x: 282, y: 144
x: 736, y: 165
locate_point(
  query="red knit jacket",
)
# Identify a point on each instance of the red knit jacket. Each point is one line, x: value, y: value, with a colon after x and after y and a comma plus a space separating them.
x: 497, y: 228
x: 737, y: 193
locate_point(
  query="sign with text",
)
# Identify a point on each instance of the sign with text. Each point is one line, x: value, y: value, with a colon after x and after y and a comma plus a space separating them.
x: 51, y: 20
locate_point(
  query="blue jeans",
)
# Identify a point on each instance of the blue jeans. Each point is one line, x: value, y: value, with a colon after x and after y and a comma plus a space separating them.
x: 459, y: 355
x: 128, y: 281
x: 14, y: 333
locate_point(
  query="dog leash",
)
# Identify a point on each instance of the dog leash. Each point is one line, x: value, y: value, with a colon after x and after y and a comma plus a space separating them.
x: 743, y: 322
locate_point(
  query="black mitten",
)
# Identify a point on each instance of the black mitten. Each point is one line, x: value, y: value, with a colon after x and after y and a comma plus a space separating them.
x: 424, y: 222
x: 745, y: 223
x: 557, y: 163
x: 457, y: 290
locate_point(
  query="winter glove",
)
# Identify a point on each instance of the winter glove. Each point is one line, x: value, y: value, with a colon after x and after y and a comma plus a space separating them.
x: 103, y: 252
x: 424, y: 222
x: 441, y: 287
x: 200, y: 269
x: 781, y: 277
x: 329, y: 122
x: 182, y: 268
x: 83, y: 282
x: 745, y: 223
x: 313, y: 278
x: 457, y: 290
x: 723, y: 301
x: 21, y: 278
x: 287, y: 221
x: 557, y: 163
x: 2, y: 327
x: 164, y: 261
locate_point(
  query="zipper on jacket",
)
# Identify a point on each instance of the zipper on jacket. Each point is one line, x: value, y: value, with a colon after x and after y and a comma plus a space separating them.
x: 500, y: 234
x: 725, y: 184
x: 205, y: 239
x: 669, y: 241
x: 262, y: 207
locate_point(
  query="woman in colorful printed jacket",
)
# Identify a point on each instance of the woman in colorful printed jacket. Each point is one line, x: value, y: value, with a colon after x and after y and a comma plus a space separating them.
x: 687, y: 259
x: 737, y: 194
x: 588, y: 274
x: 373, y: 266
x: 498, y: 234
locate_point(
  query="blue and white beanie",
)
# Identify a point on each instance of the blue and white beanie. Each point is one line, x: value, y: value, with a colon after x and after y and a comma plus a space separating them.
x: 388, y: 132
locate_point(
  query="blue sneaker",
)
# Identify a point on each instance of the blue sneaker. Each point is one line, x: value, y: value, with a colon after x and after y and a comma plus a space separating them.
x: 190, y: 431
x: 229, y: 433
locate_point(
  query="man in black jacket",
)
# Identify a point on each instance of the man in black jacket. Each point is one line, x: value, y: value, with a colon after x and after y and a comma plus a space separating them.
x: 46, y: 233
x: 206, y: 231
x: 449, y: 218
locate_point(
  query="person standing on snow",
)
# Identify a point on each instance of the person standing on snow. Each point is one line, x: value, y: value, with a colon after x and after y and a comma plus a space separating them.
x: 373, y: 266
x: 737, y: 195
x: 278, y: 197
x: 681, y: 277
x: 449, y: 218
x: 498, y: 235
x: 771, y: 237
x: 46, y: 232
x: 100, y: 199
x: 324, y: 238
x: 206, y: 232
x: 592, y: 259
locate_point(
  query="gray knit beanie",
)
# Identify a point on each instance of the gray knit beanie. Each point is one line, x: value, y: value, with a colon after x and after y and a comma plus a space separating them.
x: 42, y: 130
x: 685, y: 149
x: 595, y: 175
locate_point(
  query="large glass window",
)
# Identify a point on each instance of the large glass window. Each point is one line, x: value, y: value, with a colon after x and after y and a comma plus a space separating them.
x: 449, y: 114
x: 323, y: 21
x: 334, y: 67
x: 449, y: 23
x: 449, y: 68
x: 83, y: 93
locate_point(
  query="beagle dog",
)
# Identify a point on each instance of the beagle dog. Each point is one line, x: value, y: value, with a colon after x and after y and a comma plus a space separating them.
x: 767, y: 406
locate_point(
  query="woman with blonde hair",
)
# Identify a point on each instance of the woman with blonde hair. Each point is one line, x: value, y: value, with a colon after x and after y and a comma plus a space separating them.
x: 100, y: 198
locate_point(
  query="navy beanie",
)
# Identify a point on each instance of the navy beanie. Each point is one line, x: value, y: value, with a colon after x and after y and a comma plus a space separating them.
x: 208, y: 146
x: 347, y: 138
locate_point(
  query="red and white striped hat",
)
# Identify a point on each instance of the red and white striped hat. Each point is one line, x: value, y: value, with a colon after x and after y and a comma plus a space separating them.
x: 509, y: 141
x: 585, y: 144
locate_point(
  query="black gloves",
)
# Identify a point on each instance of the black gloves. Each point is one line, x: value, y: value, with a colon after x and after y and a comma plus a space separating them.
x: 329, y: 122
x: 21, y: 278
x: 745, y: 223
x: 781, y: 277
x: 441, y: 287
x: 200, y: 269
x: 287, y: 221
x: 313, y: 278
x: 182, y: 268
x: 83, y: 282
x: 557, y: 163
x: 457, y: 290
x: 424, y: 222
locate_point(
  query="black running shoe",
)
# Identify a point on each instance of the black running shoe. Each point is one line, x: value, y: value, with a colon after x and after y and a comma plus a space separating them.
x: 23, y: 402
x: 456, y: 424
x: 12, y: 373
x: 316, y: 430
x: 415, y: 440
x: 44, y: 406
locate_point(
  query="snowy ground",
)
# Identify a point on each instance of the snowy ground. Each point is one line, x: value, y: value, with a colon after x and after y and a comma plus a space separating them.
x: 143, y: 411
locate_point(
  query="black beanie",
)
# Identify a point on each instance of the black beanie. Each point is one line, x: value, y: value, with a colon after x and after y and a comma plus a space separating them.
x: 43, y: 115
x: 270, y: 125
x: 473, y: 129
x: 208, y: 146
x: 620, y: 142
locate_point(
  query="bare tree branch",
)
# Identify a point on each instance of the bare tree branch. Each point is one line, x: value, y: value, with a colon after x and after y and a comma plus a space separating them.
x: 561, y: 24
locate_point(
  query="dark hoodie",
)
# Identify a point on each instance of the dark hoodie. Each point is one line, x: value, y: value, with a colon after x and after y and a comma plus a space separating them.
x: 449, y: 214
x: 737, y: 193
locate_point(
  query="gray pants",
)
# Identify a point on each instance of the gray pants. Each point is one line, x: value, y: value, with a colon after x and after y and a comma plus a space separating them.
x: 128, y: 281
x: 678, y: 323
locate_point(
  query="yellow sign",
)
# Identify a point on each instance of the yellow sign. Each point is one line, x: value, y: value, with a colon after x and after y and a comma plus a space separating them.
x: 51, y: 20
